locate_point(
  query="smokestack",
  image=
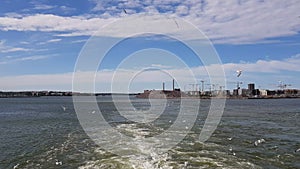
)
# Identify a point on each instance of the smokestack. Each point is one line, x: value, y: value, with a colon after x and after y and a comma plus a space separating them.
x: 163, y: 86
x: 173, y: 85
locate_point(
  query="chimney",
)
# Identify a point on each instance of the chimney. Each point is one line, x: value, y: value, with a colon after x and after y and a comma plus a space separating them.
x: 173, y: 85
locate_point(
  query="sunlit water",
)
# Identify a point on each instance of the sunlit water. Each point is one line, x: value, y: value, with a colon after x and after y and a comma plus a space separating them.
x: 45, y: 133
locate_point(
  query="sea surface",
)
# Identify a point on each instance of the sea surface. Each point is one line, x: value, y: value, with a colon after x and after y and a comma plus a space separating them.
x: 44, y: 132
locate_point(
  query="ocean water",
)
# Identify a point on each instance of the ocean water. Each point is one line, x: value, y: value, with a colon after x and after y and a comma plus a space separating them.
x: 45, y: 132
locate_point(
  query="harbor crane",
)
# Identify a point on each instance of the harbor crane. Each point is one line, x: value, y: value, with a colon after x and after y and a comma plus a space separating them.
x: 238, y: 83
x: 282, y: 85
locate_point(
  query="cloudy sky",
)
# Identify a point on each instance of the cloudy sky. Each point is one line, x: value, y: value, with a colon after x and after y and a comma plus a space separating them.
x: 40, y: 42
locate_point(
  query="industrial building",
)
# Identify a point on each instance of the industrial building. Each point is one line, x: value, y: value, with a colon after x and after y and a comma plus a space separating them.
x: 252, y: 92
x: 174, y: 93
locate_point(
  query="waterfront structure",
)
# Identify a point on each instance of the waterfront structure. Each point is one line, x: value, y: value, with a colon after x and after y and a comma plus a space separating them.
x: 251, y: 86
x: 160, y: 94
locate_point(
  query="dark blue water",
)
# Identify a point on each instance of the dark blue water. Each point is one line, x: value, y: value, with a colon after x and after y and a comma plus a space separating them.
x: 44, y: 132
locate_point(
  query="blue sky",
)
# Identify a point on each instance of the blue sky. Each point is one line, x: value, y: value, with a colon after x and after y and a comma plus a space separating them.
x: 40, y: 41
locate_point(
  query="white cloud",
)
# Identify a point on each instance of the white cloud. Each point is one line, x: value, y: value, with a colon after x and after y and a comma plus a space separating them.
x: 50, y: 41
x: 182, y: 10
x: 32, y: 58
x: 160, y: 66
x: 12, y: 49
x: 43, y: 7
x: 25, y: 43
x: 268, y: 66
x: 250, y: 21
x: 66, y: 9
x: 54, y: 40
x: 11, y: 59
x: 223, y: 21
x: 37, y: 82
x: 7, y: 49
x: 80, y: 41
x: 50, y: 22
x: 269, y: 72
x: 13, y: 15
x: 233, y: 21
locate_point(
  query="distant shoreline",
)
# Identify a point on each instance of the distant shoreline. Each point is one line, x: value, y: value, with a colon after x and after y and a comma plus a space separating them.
x: 31, y: 94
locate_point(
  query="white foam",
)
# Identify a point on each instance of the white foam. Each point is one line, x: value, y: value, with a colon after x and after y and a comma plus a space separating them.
x: 57, y: 162
x: 146, y: 155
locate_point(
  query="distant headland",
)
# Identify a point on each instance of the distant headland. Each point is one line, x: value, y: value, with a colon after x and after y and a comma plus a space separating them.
x: 10, y: 94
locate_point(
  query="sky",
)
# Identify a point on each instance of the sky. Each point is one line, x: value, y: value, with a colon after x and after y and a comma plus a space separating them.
x: 41, y: 43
